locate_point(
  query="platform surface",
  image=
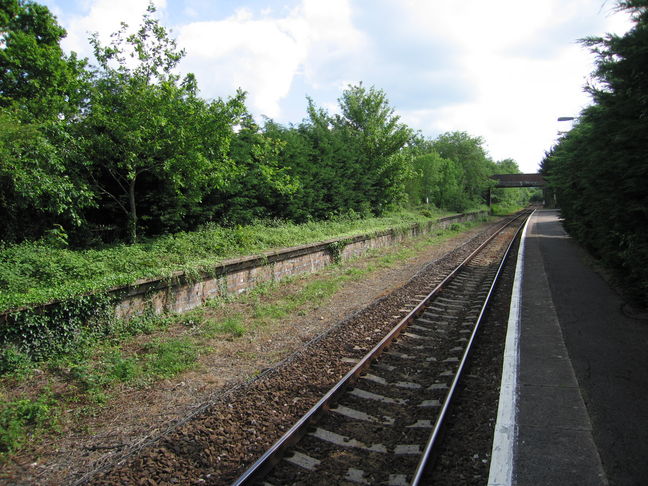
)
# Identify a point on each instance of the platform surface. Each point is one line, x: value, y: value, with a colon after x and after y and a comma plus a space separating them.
x: 581, y: 384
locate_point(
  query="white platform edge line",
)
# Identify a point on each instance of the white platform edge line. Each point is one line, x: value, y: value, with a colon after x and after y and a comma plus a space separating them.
x: 501, y: 466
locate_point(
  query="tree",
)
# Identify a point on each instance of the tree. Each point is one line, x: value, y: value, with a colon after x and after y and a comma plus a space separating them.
x: 437, y: 181
x: 599, y: 170
x: 467, y: 152
x: 369, y: 125
x: 36, y: 77
x: 261, y: 185
x: 41, y: 89
x: 37, y: 187
x: 146, y: 122
x: 297, y: 157
x: 354, y: 162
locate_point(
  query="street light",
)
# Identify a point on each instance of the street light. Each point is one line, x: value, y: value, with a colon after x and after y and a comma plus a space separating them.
x: 563, y: 119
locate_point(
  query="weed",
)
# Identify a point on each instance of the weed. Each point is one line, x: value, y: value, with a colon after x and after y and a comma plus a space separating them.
x: 23, y: 417
x: 270, y: 311
x: 165, y: 359
x: 120, y: 368
x: 32, y: 273
x: 232, y: 325
x: 355, y: 272
x: 15, y: 363
x: 336, y: 249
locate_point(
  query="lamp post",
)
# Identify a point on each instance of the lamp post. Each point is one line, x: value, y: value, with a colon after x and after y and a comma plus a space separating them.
x: 563, y: 119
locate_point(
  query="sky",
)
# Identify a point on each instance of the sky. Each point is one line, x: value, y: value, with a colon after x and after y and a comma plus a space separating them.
x: 503, y: 70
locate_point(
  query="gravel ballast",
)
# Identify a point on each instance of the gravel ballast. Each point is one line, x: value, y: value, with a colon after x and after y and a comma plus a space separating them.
x: 219, y: 441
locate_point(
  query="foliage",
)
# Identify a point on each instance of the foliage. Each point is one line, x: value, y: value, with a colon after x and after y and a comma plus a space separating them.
x: 88, y: 375
x: 261, y: 185
x: 21, y: 416
x: 452, y: 171
x: 165, y: 359
x: 37, y: 78
x: 41, y: 90
x: 144, y: 121
x: 599, y: 170
x: 468, y: 152
x: 372, y: 132
x: 54, y: 329
x: 125, y: 150
x: 437, y: 182
x: 33, y: 273
x: 348, y: 162
x: 128, y: 149
x: 38, y: 188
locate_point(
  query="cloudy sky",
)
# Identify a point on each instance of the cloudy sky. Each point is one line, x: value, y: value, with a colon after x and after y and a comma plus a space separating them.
x: 500, y: 69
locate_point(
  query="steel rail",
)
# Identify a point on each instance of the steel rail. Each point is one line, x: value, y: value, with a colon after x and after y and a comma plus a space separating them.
x: 432, y: 441
x: 273, y: 455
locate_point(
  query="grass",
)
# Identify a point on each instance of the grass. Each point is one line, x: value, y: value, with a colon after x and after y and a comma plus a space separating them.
x: 167, y: 358
x: 23, y: 417
x: 35, y: 273
x: 231, y: 326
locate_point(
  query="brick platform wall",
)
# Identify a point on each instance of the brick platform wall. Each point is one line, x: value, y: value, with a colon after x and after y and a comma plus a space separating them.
x: 242, y: 274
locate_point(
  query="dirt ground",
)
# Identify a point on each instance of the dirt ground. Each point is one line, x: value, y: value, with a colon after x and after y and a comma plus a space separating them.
x: 136, y: 416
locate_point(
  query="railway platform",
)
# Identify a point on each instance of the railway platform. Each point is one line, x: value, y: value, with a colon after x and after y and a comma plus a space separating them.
x: 573, y: 402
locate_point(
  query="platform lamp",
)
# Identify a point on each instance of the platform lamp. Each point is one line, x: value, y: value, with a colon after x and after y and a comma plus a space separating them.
x: 565, y: 118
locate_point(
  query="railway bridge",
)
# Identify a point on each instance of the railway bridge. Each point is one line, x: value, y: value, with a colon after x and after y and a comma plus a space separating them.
x: 522, y: 180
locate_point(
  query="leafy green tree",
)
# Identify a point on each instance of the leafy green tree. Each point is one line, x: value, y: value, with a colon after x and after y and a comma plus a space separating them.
x: 261, y: 185
x: 37, y: 187
x: 36, y: 77
x: 297, y: 157
x: 41, y: 89
x: 146, y: 122
x: 467, y: 152
x: 599, y: 170
x: 437, y: 181
x: 351, y: 161
x: 368, y: 125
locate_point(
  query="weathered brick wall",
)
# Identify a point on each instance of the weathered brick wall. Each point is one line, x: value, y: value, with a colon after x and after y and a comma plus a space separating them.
x: 241, y: 274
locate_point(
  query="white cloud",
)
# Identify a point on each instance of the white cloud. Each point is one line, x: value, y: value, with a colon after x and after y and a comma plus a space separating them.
x: 259, y: 56
x: 103, y: 17
x: 263, y: 55
x: 516, y: 97
x: 518, y: 101
x: 503, y: 69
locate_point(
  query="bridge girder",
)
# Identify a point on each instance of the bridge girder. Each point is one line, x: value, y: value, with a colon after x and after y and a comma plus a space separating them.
x: 519, y: 180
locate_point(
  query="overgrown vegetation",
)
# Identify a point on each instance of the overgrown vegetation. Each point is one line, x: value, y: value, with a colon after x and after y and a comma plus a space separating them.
x: 38, y: 272
x: 137, y: 353
x: 599, y: 169
x: 22, y: 416
x: 120, y: 171
x: 126, y: 149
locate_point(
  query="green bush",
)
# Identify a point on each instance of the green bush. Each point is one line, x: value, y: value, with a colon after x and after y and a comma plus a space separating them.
x: 33, y: 273
x: 22, y: 417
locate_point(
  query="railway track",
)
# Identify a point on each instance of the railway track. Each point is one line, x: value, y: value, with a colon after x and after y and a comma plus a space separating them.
x: 381, y: 422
